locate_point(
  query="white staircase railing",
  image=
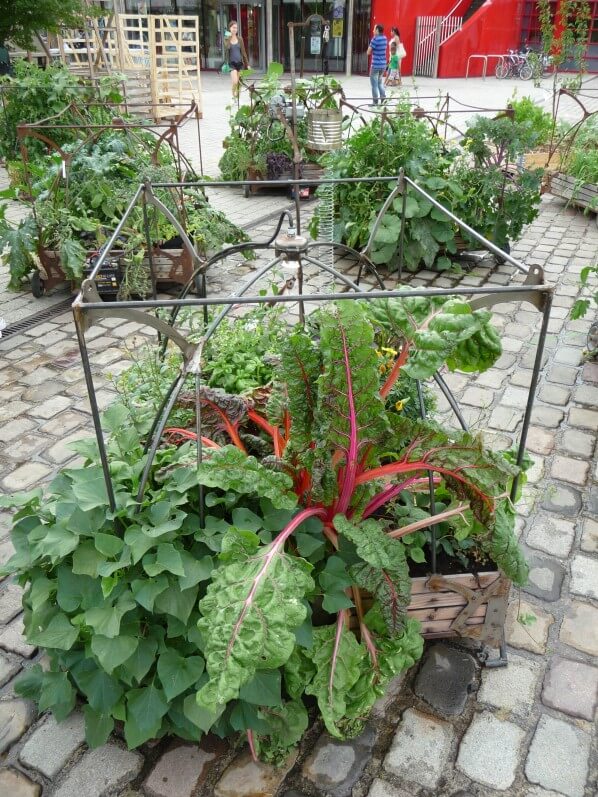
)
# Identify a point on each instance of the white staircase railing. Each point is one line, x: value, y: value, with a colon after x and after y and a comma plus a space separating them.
x: 430, y: 33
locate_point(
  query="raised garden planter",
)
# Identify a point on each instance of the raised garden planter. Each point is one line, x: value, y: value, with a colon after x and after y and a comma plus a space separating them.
x: 584, y: 195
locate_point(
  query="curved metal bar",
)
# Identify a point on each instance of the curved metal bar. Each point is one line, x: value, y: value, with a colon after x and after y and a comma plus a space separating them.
x: 159, y: 324
x: 398, y: 189
x: 157, y: 436
x: 228, y: 307
x: 361, y: 259
x: 152, y: 199
x: 342, y: 277
x: 451, y: 400
x: 158, y: 415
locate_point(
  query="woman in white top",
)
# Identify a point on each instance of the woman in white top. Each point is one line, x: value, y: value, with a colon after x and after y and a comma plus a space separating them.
x: 395, y: 37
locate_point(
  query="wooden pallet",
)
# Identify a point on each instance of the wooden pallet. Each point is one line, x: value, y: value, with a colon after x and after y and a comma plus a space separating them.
x: 584, y: 195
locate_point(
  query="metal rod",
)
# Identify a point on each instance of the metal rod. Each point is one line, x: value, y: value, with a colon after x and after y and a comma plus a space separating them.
x: 95, y: 412
x: 148, y: 243
x: 317, y: 297
x: 402, y: 235
x: 433, y: 528
x: 446, y: 391
x: 202, y: 505
x: 532, y: 389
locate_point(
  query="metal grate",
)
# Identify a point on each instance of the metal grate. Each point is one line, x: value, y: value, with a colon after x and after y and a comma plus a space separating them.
x: 38, y: 318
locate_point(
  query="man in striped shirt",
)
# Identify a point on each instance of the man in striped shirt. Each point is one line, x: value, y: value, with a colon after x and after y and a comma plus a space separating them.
x: 377, y: 50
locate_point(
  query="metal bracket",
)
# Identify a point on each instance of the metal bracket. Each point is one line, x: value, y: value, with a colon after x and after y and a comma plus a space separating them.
x: 483, y: 656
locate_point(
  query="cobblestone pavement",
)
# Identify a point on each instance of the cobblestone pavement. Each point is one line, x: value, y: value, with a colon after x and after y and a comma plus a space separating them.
x: 523, y: 731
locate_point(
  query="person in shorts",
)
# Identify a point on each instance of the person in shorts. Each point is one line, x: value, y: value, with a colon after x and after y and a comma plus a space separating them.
x: 235, y: 54
x: 393, y: 75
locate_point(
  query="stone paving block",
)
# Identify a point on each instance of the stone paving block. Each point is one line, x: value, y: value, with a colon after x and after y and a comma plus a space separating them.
x: 574, y: 471
x: 533, y: 637
x: 585, y: 419
x: 6, y: 550
x: 566, y: 772
x: 521, y: 378
x: 15, y: 784
x: 42, y: 392
x: 38, y: 377
x: 10, y: 602
x: 12, y: 410
x: 60, y: 451
x: 511, y: 688
x: 15, y: 428
x: 578, y: 443
x: 52, y: 744
x: 15, y: 718
x: 505, y: 418
x: 589, y: 536
x: 61, y: 424
x: 551, y: 534
x: 545, y: 577
x: 25, y: 447
x: 380, y: 788
x: 51, y: 407
x: 183, y: 769
x: 547, y: 416
x: 538, y: 791
x: 420, y: 749
x: 391, y: 692
x: 553, y: 394
x: 8, y: 669
x: 336, y: 766
x: 25, y: 476
x: 568, y: 356
x: 514, y: 397
x: 586, y: 394
x: 247, y: 778
x: 562, y: 375
x: 12, y: 639
x: 100, y: 772
x: 445, y: 678
x: 477, y: 397
x: 580, y: 627
x: 540, y: 441
x: 489, y: 752
x: 562, y: 499
x: 492, y: 378
x: 571, y: 687
x: 590, y: 372
x: 584, y: 576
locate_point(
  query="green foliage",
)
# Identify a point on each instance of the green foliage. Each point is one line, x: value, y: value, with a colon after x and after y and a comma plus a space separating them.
x: 20, y: 20
x: 529, y: 114
x: 175, y: 625
x: 581, y: 161
x: 255, y: 133
x: 581, y: 306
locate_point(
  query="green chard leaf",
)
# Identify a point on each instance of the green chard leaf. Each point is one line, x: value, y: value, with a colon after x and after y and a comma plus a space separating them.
x: 250, y: 613
x: 339, y: 659
x: 384, y: 572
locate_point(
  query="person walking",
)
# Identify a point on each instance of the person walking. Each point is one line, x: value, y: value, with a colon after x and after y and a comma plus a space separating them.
x: 393, y: 76
x: 235, y: 55
x: 377, y: 50
x: 395, y: 38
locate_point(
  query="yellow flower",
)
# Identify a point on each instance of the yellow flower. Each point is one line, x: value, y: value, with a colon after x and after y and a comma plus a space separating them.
x: 400, y: 404
x: 390, y: 351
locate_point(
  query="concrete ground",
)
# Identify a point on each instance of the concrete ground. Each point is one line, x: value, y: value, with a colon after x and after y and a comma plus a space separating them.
x: 524, y: 731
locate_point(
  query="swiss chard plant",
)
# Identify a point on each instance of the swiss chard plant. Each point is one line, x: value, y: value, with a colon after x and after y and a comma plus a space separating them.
x: 294, y: 585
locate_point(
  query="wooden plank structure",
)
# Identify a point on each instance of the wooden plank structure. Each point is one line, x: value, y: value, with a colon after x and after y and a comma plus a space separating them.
x: 158, y: 54
x: 583, y: 194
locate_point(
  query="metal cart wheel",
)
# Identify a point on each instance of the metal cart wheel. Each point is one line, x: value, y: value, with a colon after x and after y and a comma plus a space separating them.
x: 37, y: 285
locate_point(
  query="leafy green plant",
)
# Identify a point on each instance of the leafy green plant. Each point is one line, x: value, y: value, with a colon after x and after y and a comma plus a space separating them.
x: 529, y: 114
x: 581, y: 306
x: 381, y: 148
x: 252, y: 604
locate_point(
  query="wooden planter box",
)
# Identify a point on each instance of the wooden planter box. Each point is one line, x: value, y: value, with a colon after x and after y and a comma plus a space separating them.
x: 472, y: 606
x: 170, y: 265
x: 567, y: 187
x: 310, y: 171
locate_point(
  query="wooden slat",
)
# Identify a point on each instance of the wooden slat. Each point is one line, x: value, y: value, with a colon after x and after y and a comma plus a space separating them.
x: 442, y: 613
x: 444, y: 626
x: 419, y: 585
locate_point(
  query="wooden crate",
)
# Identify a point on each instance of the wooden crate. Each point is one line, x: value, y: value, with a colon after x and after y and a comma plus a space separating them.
x: 567, y: 187
x: 467, y: 605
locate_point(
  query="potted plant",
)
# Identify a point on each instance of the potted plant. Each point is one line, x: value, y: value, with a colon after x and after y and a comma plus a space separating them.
x: 233, y: 614
x: 577, y: 177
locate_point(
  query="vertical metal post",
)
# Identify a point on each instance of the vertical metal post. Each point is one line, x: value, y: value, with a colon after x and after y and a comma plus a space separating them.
x: 532, y: 388
x: 294, y: 122
x: 93, y: 403
x: 349, y: 45
x: 202, y: 504
x: 148, y: 243
x: 402, y: 233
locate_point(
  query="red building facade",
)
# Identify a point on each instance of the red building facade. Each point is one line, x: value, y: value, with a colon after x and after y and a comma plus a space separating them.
x: 489, y: 27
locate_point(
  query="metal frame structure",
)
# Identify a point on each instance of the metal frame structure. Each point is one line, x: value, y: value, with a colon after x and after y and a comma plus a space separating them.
x: 293, y: 253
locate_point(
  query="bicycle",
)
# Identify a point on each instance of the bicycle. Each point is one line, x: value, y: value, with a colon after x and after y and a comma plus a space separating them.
x: 514, y: 64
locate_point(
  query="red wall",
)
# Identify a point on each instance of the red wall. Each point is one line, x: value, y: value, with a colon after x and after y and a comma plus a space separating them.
x: 494, y: 28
